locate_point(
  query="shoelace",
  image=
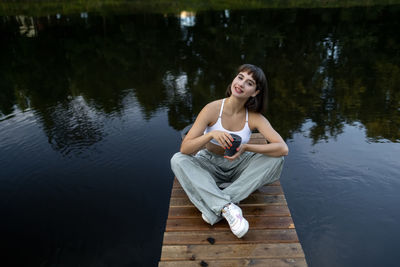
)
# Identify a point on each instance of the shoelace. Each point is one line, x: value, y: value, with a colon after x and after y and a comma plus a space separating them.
x: 230, y: 217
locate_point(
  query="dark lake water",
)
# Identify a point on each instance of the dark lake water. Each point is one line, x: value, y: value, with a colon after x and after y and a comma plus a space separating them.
x: 91, y: 108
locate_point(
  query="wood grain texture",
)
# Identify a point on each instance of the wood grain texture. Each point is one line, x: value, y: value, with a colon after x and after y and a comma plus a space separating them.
x: 231, y: 251
x: 225, y: 236
x: 196, y: 224
x: 286, y: 262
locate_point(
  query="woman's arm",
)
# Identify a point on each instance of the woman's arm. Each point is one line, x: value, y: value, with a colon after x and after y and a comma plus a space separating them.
x: 276, y: 146
x: 195, y: 139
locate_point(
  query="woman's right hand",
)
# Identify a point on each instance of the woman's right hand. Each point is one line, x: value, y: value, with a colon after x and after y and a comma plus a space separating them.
x: 223, y: 138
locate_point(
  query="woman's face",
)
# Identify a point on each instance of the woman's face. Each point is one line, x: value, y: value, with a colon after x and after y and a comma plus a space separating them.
x: 244, y: 85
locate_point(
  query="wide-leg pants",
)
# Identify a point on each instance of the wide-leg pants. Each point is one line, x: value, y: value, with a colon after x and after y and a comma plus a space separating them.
x: 202, y: 174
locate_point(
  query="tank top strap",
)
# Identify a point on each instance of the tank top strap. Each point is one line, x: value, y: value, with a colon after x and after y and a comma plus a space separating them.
x: 247, y: 116
x: 222, y: 108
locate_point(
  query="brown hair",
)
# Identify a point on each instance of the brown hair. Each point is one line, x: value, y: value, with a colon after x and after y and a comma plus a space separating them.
x: 254, y: 103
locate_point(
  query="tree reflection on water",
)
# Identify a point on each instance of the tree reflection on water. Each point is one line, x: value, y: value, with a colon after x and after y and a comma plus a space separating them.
x: 330, y: 66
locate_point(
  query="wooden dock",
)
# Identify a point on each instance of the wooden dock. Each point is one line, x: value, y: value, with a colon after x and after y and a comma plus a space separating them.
x: 271, y: 240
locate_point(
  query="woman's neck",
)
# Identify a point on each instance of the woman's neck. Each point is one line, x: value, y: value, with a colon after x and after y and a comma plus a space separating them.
x: 234, y: 105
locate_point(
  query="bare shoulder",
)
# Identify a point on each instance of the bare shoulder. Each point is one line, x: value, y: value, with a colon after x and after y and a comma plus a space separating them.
x: 214, y: 105
x: 213, y: 108
x: 210, y: 111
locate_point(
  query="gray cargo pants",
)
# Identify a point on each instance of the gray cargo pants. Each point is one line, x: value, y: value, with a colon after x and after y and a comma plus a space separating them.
x: 202, y: 174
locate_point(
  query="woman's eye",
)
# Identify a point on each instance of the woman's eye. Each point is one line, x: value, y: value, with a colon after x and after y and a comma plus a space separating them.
x: 250, y: 83
x: 240, y: 78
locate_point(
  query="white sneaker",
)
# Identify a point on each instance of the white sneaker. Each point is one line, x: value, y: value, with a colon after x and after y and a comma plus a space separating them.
x: 233, y: 214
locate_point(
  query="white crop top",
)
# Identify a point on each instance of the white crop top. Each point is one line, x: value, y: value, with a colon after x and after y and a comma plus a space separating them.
x: 245, y: 133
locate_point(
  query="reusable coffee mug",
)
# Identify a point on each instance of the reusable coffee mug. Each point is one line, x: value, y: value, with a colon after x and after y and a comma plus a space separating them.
x: 237, y: 140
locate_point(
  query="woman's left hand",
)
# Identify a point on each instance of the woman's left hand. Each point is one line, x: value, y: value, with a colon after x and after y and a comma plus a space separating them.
x: 239, y: 152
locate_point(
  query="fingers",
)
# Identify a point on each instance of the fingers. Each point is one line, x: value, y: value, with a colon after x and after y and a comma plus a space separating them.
x: 218, y: 135
x: 228, y: 139
x: 236, y: 155
x: 222, y: 142
x: 231, y: 158
x: 225, y: 140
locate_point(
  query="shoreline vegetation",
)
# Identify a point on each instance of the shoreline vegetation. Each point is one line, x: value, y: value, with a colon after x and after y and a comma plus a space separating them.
x: 46, y: 7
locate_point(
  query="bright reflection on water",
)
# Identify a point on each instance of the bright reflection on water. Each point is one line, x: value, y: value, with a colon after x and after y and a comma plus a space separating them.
x: 91, y: 107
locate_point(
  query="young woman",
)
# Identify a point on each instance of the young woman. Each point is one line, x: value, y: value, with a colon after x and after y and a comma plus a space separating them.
x: 250, y: 168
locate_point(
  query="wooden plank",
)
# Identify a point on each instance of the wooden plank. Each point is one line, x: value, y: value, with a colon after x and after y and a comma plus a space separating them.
x: 266, y: 210
x: 287, y: 262
x: 256, y: 136
x: 258, y: 141
x: 265, y: 190
x: 251, y: 200
x: 196, y: 224
x: 226, y: 237
x: 269, y: 190
x: 176, y: 184
x: 236, y: 251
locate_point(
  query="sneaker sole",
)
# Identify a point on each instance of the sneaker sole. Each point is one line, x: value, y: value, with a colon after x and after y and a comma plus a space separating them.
x: 244, y: 231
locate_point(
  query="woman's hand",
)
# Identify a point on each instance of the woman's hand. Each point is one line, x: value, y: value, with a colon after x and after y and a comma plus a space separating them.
x: 240, y: 150
x: 223, y: 138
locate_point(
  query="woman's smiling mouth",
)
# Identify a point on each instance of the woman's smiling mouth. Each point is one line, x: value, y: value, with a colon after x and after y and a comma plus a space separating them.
x: 238, y: 90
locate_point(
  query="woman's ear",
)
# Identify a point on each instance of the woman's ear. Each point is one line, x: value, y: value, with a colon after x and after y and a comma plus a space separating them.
x: 255, y: 93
